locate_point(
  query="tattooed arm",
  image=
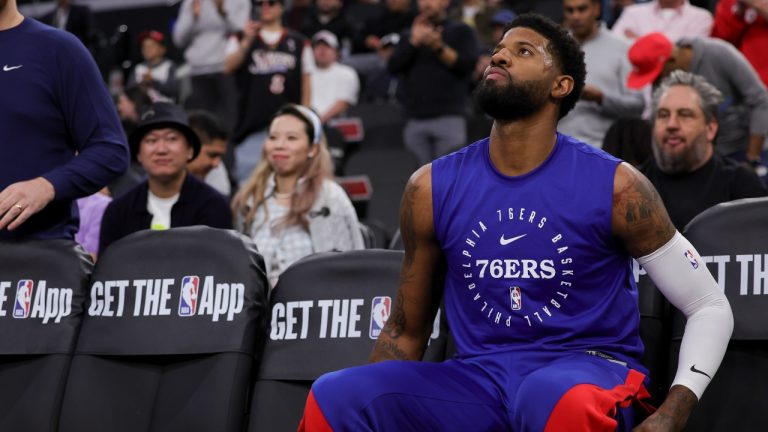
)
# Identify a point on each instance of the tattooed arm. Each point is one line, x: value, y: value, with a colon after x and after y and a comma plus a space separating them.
x: 405, y: 335
x: 641, y: 222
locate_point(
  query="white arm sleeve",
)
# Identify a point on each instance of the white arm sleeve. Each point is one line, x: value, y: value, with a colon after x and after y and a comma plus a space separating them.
x: 681, y: 275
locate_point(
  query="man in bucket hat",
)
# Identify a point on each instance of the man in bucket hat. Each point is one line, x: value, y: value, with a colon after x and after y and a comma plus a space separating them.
x: 743, y: 117
x: 163, y: 143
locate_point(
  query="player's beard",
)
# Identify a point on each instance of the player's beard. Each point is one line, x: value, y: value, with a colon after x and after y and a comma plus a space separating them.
x: 514, y: 100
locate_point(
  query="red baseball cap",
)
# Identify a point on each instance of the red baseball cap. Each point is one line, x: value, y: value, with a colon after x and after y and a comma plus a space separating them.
x: 648, y: 56
x: 152, y: 34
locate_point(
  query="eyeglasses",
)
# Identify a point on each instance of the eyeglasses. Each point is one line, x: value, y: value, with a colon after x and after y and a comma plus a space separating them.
x: 260, y: 3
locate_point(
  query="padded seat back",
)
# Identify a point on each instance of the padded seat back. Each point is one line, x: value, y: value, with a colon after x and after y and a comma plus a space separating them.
x: 327, y: 311
x: 172, y: 326
x: 42, y: 290
x: 732, y: 239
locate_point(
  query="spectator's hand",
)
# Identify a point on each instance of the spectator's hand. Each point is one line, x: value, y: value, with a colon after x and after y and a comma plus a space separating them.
x: 197, y: 6
x: 220, y: 7
x: 592, y: 94
x: 21, y: 200
x: 433, y: 39
x: 630, y: 34
x: 146, y: 79
x: 250, y: 31
x: 373, y: 42
x: 419, y: 30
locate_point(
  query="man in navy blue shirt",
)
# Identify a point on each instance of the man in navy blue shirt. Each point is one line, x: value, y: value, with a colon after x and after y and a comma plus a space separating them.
x: 61, y: 137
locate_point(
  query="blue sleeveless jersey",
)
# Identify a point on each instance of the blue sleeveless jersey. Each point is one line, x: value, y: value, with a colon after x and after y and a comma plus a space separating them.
x: 531, y: 260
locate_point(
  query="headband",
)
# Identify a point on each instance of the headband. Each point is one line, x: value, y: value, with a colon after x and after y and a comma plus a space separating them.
x: 314, y: 119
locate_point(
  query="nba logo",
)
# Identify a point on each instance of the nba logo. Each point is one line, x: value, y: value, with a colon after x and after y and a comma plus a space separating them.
x: 692, y: 259
x: 188, y: 298
x: 23, y: 298
x: 516, y: 298
x: 379, y: 315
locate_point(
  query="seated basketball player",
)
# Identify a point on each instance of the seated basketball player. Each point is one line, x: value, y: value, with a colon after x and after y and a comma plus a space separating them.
x: 528, y: 236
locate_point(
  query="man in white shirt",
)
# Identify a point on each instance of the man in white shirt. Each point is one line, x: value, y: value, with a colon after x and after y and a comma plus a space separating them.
x: 675, y: 18
x: 334, y: 86
x: 605, y: 97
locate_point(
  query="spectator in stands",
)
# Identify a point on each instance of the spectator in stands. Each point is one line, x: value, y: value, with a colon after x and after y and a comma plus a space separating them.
x: 743, y: 119
x: 60, y: 138
x: 170, y: 197
x: 76, y: 19
x: 380, y: 84
x: 335, y: 87
x: 272, y: 67
x: 208, y: 166
x: 130, y: 103
x: 436, y: 59
x: 393, y: 17
x: 688, y: 174
x: 675, y: 18
x: 202, y: 30
x: 744, y: 23
x: 605, y: 97
x: 294, y: 17
x: 328, y: 15
x: 290, y: 206
x: 156, y: 74
x: 396, y: 17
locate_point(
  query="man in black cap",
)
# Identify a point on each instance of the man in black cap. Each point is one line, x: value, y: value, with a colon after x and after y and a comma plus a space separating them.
x: 163, y: 143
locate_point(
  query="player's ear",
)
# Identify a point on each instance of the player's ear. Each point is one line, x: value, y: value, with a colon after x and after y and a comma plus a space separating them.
x: 562, y: 86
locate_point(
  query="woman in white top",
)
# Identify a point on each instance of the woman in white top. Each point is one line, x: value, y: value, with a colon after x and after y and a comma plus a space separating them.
x: 290, y: 205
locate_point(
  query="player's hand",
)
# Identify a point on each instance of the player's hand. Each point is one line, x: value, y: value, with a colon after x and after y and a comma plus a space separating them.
x: 673, y: 414
x: 655, y: 423
x: 21, y: 200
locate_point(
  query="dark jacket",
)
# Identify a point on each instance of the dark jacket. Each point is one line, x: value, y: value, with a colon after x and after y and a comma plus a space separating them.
x: 79, y: 22
x: 198, y: 204
x: 719, y: 180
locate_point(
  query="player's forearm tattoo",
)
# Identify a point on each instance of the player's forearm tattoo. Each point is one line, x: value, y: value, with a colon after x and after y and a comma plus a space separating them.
x: 388, y: 350
x: 644, y: 212
x: 395, y: 325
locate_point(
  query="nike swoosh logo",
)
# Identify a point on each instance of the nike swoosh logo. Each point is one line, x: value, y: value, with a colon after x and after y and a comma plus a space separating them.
x: 7, y: 68
x: 505, y: 242
x: 693, y: 369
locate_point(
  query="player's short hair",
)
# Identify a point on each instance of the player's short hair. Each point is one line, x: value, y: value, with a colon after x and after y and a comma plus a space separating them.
x: 567, y: 53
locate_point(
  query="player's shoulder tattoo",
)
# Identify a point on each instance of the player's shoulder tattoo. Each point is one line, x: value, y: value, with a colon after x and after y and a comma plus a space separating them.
x: 640, y: 213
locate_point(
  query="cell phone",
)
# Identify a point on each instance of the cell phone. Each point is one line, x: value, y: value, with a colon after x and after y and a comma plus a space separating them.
x: 255, y: 11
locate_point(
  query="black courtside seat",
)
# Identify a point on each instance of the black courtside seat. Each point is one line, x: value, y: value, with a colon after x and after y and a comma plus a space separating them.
x: 170, y: 335
x: 733, y: 239
x: 327, y: 311
x: 42, y: 290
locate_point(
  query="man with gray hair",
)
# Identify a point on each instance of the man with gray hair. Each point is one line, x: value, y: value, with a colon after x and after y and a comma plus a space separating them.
x: 688, y: 174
